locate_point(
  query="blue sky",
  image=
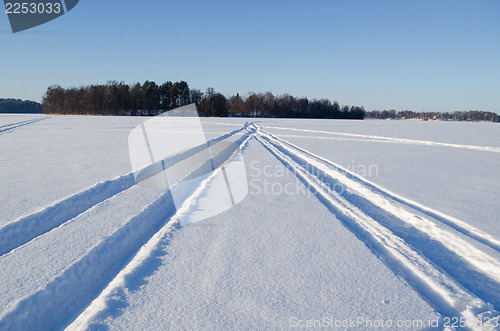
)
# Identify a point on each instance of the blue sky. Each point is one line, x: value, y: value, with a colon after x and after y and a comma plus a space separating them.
x: 417, y: 55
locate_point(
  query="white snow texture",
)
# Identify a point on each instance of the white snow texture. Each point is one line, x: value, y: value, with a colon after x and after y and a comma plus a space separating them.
x: 117, y: 223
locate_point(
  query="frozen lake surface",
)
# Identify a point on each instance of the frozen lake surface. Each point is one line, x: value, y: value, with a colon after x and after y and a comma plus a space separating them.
x: 381, y: 222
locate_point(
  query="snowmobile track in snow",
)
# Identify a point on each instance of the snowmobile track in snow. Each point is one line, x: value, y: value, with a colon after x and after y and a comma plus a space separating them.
x: 114, y: 293
x: 9, y: 127
x: 456, y: 277
x: 58, y: 302
x: 18, y: 232
x: 364, y: 137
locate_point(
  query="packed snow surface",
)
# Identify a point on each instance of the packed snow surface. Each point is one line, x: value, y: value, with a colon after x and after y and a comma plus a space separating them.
x: 295, y: 224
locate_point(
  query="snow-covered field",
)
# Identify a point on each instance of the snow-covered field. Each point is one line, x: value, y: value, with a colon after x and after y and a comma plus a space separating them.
x: 347, y: 224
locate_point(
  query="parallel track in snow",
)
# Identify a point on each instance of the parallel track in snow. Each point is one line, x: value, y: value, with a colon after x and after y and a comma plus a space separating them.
x: 9, y: 127
x: 117, y: 287
x: 66, y: 293
x: 26, y: 228
x: 365, y: 137
x: 457, y: 278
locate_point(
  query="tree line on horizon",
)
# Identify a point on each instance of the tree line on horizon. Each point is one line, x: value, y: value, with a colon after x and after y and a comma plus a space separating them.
x: 150, y: 99
x: 18, y: 106
x: 471, y: 115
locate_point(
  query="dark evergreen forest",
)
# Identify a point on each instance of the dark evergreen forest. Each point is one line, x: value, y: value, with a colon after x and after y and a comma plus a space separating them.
x: 18, y: 106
